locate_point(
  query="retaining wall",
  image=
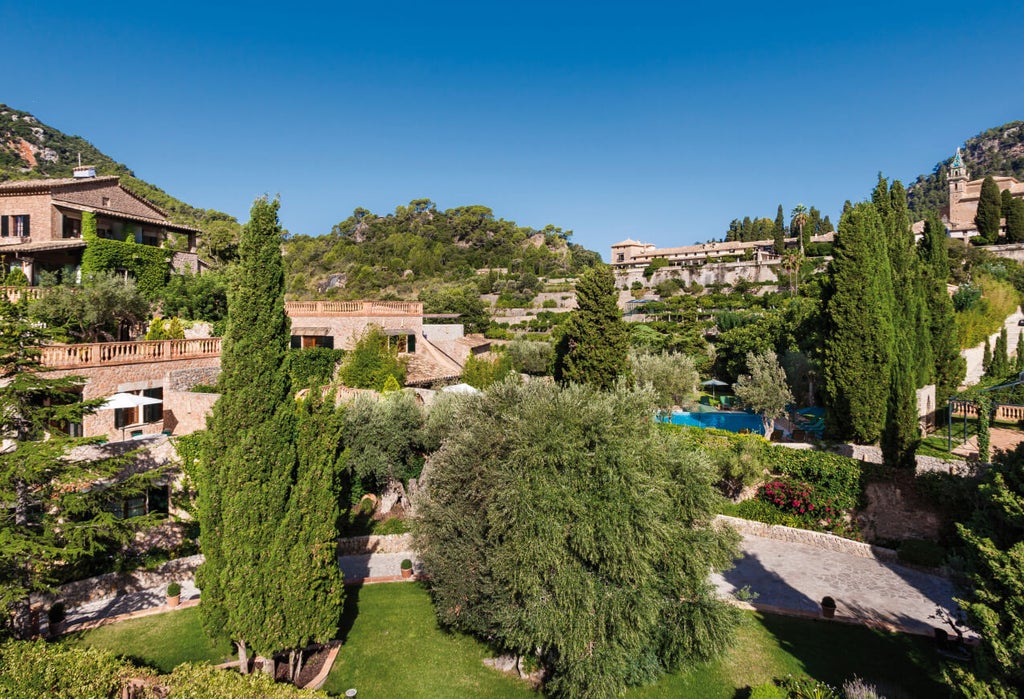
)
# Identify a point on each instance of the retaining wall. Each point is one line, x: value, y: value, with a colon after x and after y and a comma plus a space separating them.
x: 81, y: 592
x: 828, y: 542
x: 391, y: 543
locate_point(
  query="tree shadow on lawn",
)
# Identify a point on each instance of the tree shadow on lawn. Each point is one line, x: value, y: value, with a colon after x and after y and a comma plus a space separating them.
x: 349, y: 612
x: 902, y: 665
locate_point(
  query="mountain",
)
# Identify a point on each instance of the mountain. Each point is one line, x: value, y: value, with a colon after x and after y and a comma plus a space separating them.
x: 998, y: 151
x: 367, y: 255
x: 30, y: 149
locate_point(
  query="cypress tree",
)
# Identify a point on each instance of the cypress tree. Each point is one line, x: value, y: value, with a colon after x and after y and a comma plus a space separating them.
x: 594, y: 344
x: 989, y: 211
x: 999, y: 364
x: 900, y: 437
x: 779, y: 232
x: 1014, y: 221
x: 949, y: 366
x: 248, y: 454
x: 1005, y: 199
x: 1018, y: 367
x: 859, y: 332
x: 986, y: 357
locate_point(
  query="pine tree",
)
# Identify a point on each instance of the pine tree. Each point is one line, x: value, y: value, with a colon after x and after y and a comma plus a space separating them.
x: 859, y: 333
x: 248, y: 462
x: 55, y: 512
x: 1014, y: 214
x: 594, y: 343
x: 779, y: 232
x: 989, y: 211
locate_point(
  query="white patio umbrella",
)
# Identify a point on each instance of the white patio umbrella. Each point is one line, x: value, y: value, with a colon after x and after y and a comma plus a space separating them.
x: 127, y: 400
x: 460, y: 388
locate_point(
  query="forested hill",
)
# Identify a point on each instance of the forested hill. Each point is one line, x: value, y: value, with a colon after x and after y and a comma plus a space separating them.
x: 30, y: 149
x: 998, y: 151
x: 367, y: 255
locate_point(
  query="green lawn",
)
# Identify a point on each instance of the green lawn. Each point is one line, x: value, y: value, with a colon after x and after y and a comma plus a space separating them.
x: 163, y: 641
x: 393, y: 647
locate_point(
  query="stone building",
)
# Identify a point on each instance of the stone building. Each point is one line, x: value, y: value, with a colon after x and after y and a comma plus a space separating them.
x: 964, y: 194
x: 41, y: 223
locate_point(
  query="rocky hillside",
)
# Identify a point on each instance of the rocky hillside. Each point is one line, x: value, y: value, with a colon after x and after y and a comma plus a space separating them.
x: 31, y: 149
x: 400, y: 253
x: 998, y: 151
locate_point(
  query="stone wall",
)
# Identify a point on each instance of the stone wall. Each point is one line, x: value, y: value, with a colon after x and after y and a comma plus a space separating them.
x: 925, y: 464
x: 185, y: 379
x: 103, y: 381
x: 705, y: 274
x: 111, y: 584
x: 391, y: 543
x: 828, y: 542
x: 186, y: 412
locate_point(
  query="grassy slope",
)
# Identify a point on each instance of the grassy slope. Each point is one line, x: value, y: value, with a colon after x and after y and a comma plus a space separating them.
x: 393, y: 647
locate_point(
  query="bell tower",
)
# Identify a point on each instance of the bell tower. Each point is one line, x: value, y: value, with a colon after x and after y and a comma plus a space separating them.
x: 957, y: 185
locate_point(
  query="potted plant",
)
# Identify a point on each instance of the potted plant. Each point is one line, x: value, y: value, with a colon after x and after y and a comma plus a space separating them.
x: 406, y: 568
x: 828, y: 607
x: 56, y: 616
x: 173, y: 594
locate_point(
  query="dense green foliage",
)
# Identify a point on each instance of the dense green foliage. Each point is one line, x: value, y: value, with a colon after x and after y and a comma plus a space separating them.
x: 39, y: 669
x: 530, y: 357
x: 255, y: 485
x: 858, y: 343
x: 992, y: 152
x: 949, y: 367
x: 481, y: 372
x: 987, y: 218
x: 196, y: 297
x: 996, y: 300
x: 593, y: 345
x: 149, y: 265
x: 372, y: 362
x: 764, y: 390
x: 419, y: 242
x: 463, y: 299
x: 994, y: 540
x: 313, y: 366
x: 383, y: 440
x: 105, y: 308
x: 672, y: 377
x: 749, y: 229
x: 52, y: 519
x: 565, y: 522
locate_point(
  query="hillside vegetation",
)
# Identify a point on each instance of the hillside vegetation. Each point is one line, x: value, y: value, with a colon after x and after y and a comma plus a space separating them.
x: 29, y: 149
x: 371, y: 256
x: 997, y: 151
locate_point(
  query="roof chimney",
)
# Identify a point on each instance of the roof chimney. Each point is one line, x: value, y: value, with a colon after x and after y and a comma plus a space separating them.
x: 83, y: 171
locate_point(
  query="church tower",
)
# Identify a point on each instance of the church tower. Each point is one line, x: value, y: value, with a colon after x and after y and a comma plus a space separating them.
x: 957, y: 185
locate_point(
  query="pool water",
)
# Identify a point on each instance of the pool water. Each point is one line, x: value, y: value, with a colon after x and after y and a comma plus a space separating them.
x: 733, y: 422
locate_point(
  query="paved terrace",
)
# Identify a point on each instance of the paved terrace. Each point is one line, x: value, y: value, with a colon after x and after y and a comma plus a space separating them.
x: 787, y: 578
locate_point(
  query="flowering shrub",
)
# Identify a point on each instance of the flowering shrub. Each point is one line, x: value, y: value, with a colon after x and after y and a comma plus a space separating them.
x: 804, y: 506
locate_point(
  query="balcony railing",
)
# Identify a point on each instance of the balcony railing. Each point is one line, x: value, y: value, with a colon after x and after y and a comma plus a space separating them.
x: 111, y: 353
x: 353, y: 308
x: 14, y: 293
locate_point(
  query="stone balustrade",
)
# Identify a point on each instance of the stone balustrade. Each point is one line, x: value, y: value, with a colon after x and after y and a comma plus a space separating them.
x: 112, y: 353
x: 1002, y: 413
x: 353, y: 308
x: 14, y: 293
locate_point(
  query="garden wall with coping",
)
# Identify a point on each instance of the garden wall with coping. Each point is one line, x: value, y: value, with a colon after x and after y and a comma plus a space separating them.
x: 84, y: 591
x: 360, y: 545
x: 828, y: 542
x: 925, y: 464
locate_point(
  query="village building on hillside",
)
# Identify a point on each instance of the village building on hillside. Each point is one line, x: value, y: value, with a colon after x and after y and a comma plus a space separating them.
x: 41, y: 223
x: 958, y: 215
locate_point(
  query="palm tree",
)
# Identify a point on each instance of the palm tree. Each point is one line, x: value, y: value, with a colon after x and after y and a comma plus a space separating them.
x: 791, y: 261
x: 798, y: 221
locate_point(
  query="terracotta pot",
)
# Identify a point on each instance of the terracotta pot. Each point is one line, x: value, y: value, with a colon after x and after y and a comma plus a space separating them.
x: 406, y: 572
x: 828, y: 612
x: 173, y: 601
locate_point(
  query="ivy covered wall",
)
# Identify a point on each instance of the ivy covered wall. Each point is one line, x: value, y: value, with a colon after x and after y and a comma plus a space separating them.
x: 149, y: 265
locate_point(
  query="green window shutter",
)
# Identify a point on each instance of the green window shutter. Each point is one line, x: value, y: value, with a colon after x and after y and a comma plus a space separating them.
x: 3, y: 227
x: 26, y: 233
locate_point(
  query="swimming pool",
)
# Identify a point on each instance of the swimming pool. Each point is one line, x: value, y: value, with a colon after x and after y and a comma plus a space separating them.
x: 733, y: 422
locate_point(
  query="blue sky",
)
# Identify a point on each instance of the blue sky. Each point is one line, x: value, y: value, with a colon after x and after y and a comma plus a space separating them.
x: 648, y: 120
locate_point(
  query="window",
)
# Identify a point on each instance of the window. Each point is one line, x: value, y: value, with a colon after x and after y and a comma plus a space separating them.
x: 125, y: 416
x: 106, y: 202
x: 14, y: 226
x: 72, y: 228
x: 155, y: 412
